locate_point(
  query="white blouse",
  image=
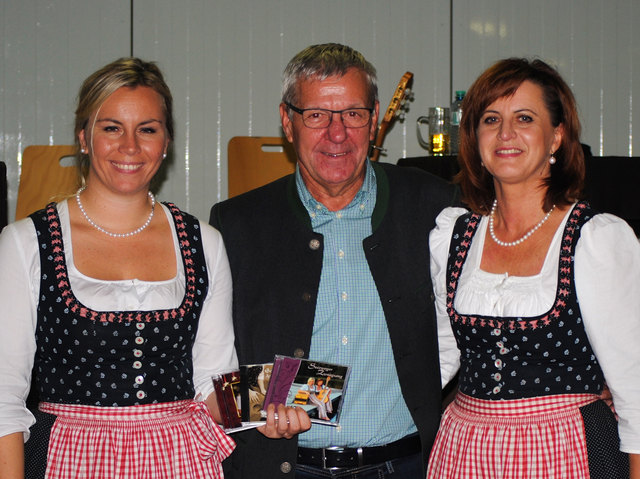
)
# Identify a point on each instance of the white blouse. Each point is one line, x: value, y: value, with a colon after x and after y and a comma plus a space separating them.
x: 213, y: 350
x: 607, y: 272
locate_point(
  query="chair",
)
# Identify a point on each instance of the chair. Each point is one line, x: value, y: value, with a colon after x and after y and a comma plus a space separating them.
x: 254, y: 161
x: 43, y: 178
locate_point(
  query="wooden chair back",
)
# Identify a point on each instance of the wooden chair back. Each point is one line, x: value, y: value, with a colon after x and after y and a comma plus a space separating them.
x: 254, y: 161
x: 43, y: 178
x: 3, y: 195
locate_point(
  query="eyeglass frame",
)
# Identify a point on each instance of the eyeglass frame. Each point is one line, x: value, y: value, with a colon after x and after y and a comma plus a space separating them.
x: 301, y: 111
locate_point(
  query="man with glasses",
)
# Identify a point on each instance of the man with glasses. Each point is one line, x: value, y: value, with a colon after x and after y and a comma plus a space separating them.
x: 332, y: 263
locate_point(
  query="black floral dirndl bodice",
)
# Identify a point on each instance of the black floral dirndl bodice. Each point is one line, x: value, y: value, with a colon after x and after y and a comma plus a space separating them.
x: 114, y: 358
x: 519, y: 357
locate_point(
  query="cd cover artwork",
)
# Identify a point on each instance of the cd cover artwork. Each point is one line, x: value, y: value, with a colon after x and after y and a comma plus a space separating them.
x: 315, y: 386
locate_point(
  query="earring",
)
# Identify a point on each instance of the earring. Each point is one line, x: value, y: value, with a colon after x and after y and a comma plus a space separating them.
x: 552, y: 160
x: 164, y: 155
x: 82, y: 151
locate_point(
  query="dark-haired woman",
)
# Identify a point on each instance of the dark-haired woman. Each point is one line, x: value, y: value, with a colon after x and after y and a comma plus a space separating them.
x: 537, y: 296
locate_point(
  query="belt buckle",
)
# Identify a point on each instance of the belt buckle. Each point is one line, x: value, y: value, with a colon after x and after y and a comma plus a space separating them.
x: 340, y: 449
x: 324, y: 456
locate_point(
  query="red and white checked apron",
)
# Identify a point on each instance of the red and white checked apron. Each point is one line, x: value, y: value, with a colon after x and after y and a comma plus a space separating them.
x: 531, y: 438
x: 167, y: 440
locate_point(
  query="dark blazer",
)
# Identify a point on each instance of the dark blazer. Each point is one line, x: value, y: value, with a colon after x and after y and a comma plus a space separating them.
x: 276, y: 260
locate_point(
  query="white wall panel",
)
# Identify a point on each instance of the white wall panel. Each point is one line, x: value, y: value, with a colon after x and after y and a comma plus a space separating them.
x: 224, y: 60
x: 49, y: 47
x: 592, y: 43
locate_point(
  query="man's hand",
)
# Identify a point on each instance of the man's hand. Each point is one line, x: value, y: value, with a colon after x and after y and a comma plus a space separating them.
x: 285, y: 422
x: 608, y: 399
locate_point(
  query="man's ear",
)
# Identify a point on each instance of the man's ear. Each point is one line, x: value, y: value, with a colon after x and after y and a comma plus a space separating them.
x: 287, y: 126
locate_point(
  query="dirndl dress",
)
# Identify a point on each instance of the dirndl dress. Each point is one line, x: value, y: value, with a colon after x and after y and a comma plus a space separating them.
x: 116, y: 387
x: 528, y: 402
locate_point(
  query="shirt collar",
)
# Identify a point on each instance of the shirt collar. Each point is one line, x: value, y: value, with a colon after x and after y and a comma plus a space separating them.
x: 361, y: 205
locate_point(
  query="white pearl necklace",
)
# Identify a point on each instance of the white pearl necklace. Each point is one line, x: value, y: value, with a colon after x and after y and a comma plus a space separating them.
x: 519, y: 240
x: 109, y: 233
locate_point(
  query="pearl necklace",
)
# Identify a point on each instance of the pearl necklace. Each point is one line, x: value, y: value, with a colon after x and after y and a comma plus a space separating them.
x: 109, y: 233
x: 526, y: 235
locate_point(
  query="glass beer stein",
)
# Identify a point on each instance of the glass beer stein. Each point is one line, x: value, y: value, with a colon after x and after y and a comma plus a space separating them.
x: 438, y: 121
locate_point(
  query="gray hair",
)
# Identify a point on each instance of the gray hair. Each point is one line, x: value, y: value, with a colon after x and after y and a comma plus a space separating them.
x: 325, y: 60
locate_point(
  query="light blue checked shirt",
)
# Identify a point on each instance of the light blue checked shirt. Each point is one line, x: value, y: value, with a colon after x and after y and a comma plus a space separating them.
x: 350, y: 328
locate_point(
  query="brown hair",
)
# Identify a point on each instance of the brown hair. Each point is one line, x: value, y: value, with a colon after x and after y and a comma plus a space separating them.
x: 566, y: 180
x: 124, y: 72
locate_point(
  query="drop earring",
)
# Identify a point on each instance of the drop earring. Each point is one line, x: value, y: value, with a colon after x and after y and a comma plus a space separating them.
x: 552, y: 160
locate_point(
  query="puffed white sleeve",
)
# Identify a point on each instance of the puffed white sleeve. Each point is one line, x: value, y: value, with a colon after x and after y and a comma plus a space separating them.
x: 439, y: 240
x: 19, y: 289
x: 607, y: 269
x: 214, y: 350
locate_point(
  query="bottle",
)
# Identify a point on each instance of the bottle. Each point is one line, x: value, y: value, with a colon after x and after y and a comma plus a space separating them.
x: 456, y: 116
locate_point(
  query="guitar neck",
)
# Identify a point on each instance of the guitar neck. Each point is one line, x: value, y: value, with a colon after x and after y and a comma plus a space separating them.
x: 377, y: 145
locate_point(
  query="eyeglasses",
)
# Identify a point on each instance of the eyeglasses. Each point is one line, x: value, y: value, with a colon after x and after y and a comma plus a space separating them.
x: 321, y: 118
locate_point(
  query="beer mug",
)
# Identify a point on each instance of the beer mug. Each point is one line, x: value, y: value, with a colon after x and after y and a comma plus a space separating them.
x: 438, y: 121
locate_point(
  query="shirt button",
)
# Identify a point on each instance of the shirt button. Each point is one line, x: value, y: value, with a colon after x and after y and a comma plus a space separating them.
x: 141, y: 394
x: 361, y: 206
x: 285, y: 467
x: 498, y: 363
x: 496, y: 390
x: 137, y: 365
x: 298, y: 353
x: 140, y: 325
x: 139, y: 340
x: 338, y: 215
x: 314, y: 244
x: 137, y: 353
x: 306, y: 297
x: 139, y: 379
x: 340, y: 254
x: 318, y: 206
x: 345, y: 340
x: 497, y: 376
x: 344, y: 296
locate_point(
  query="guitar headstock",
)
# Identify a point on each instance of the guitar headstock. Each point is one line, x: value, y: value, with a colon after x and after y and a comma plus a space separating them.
x: 396, y: 109
x: 401, y: 96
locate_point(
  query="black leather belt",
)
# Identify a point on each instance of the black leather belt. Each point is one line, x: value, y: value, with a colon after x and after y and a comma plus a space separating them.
x: 345, y: 457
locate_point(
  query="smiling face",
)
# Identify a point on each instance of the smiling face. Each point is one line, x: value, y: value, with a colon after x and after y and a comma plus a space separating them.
x: 126, y: 140
x: 332, y: 159
x: 516, y: 137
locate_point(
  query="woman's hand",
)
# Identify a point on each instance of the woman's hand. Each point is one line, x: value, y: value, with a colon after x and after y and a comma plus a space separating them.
x: 285, y: 422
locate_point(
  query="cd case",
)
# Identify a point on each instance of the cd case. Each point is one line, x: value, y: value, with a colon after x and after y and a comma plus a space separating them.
x: 317, y: 387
